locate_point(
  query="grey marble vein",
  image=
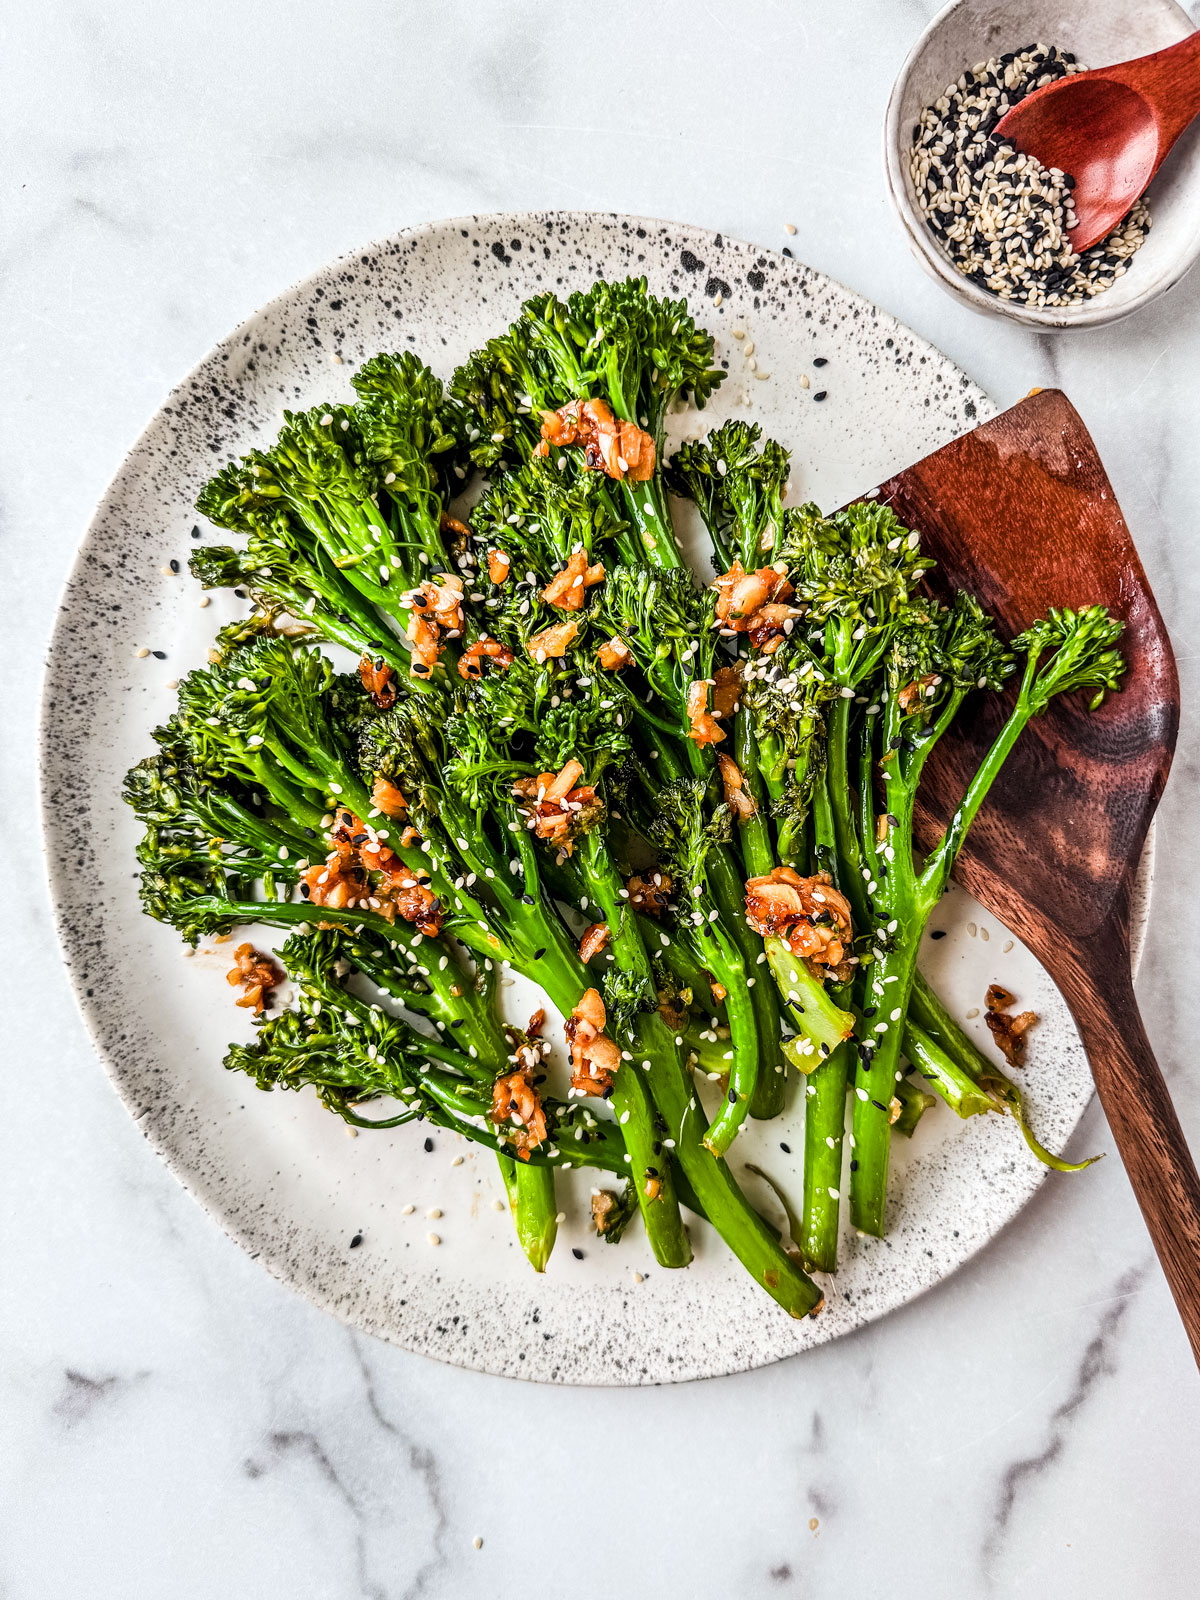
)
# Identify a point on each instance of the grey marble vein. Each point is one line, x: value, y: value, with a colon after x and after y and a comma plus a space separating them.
x: 1100, y: 1359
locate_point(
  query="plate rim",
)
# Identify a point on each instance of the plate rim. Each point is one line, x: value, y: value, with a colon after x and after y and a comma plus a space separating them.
x: 88, y: 1008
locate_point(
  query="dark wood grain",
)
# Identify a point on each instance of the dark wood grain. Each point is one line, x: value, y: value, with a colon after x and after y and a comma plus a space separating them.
x: 1111, y: 129
x: 1021, y: 513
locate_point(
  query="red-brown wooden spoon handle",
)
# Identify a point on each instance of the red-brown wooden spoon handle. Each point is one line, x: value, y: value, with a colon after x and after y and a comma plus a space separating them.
x: 1142, y: 1118
x: 1170, y: 80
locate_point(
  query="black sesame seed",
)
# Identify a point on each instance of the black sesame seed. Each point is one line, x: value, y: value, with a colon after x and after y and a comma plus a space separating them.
x: 159, y: 655
x: 853, y: 1163
x: 577, y: 1252
x: 195, y: 531
x: 821, y: 394
x: 879, y: 1105
x: 174, y: 565
x: 820, y: 361
x: 786, y: 1148
x: 938, y: 933
x: 241, y: 593
x: 356, y: 1241
x: 428, y: 1146
x: 538, y: 954
x: 733, y: 1097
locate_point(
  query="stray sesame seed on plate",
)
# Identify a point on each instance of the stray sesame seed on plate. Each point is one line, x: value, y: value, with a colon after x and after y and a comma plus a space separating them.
x: 433, y: 1238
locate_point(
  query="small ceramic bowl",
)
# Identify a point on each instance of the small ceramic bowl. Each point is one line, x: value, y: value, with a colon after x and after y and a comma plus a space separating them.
x: 1099, y: 32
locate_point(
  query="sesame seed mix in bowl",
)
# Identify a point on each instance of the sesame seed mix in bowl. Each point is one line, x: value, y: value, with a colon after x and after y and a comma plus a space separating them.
x: 1002, y: 218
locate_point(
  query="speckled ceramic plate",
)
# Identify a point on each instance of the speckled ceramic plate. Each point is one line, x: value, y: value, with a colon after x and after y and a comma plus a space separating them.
x: 854, y: 395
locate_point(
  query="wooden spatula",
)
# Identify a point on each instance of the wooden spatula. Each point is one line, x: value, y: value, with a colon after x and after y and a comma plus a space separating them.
x: 1021, y: 513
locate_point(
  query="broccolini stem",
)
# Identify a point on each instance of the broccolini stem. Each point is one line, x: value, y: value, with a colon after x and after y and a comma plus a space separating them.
x: 729, y: 893
x: 646, y: 506
x: 875, y: 1088
x: 936, y: 874
x: 754, y: 833
x: 464, y: 1016
x: 926, y: 1009
x: 824, y: 1133
x: 931, y: 1032
x: 914, y: 1103
x: 822, y: 1023
x: 743, y: 1067
x: 534, y: 1208
x: 710, y: 1053
x: 650, y: 1167
x: 825, y: 1096
x: 711, y: 1181
x: 960, y: 1091
x: 840, y: 791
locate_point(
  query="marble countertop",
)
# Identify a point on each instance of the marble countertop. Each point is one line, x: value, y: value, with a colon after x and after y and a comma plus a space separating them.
x: 173, y: 1422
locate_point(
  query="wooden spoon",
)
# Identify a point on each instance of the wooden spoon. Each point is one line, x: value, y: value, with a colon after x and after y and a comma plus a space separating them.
x: 1109, y: 129
x: 1020, y: 512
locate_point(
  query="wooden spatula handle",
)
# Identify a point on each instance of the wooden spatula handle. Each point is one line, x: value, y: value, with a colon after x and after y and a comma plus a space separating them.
x: 1146, y: 1129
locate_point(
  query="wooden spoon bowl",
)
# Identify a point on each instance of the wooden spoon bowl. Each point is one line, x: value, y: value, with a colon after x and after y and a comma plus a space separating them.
x: 1021, y: 513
